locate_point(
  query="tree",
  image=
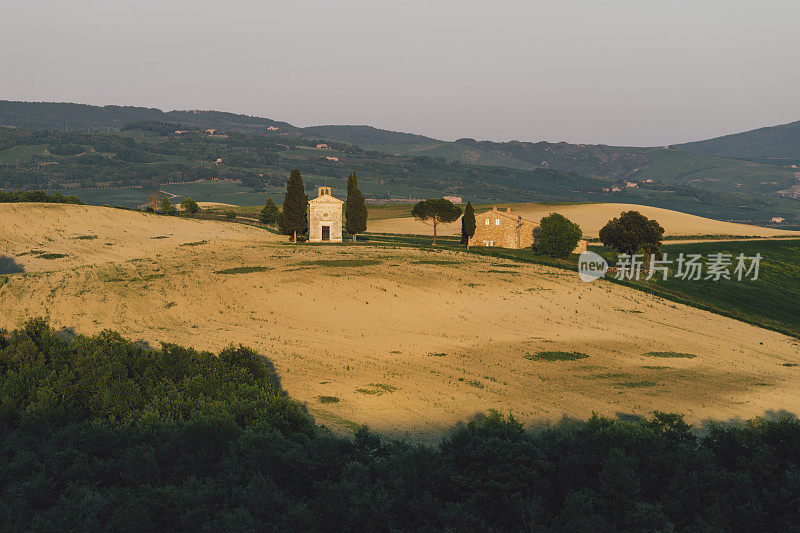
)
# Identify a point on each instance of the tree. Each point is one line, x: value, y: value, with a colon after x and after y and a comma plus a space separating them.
x: 189, y: 206
x: 632, y: 231
x: 294, y: 218
x: 269, y: 214
x: 467, y: 224
x: 436, y: 210
x: 153, y: 198
x: 166, y: 206
x: 557, y: 235
x: 355, y: 210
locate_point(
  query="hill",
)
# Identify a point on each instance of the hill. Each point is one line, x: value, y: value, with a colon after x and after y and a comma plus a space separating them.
x: 55, y: 116
x: 409, y: 340
x: 590, y: 217
x: 778, y: 144
x: 365, y: 135
x: 139, y: 149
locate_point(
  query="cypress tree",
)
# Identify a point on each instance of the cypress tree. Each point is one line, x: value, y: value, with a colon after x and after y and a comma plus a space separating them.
x: 467, y: 224
x: 294, y: 218
x: 355, y: 210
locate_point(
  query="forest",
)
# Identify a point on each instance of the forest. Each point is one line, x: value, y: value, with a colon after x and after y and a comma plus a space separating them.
x: 101, y: 433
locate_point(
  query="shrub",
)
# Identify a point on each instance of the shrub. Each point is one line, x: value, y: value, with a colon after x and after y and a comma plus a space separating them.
x: 189, y: 206
x: 557, y: 236
x: 230, y: 215
x: 632, y: 232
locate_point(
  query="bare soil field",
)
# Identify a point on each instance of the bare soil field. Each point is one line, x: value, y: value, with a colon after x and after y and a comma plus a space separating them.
x: 407, y: 341
x: 590, y: 217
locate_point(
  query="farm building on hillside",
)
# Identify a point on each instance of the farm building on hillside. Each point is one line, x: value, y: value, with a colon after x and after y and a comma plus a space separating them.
x: 501, y: 228
x: 325, y: 217
x: 505, y: 230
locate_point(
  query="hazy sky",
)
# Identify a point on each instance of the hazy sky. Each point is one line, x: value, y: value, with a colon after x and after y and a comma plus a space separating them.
x: 635, y: 72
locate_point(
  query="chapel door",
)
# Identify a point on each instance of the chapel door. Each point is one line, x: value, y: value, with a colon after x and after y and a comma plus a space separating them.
x: 326, y: 233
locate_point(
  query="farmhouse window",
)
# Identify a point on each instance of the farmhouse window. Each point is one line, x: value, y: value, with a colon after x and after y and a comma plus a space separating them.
x: 497, y: 222
x: 487, y: 221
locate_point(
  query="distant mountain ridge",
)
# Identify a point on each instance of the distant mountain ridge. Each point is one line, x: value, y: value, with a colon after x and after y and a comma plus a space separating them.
x: 55, y: 116
x: 366, y: 135
x: 714, y: 164
x: 781, y: 142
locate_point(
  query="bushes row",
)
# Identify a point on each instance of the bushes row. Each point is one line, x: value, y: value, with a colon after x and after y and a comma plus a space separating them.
x: 37, y: 196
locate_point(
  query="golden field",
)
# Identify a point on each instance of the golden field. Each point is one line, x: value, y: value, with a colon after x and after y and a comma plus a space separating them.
x: 590, y: 217
x: 409, y: 341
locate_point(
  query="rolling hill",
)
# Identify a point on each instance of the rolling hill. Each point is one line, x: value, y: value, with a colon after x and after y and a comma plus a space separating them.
x: 395, y: 333
x: 140, y: 149
x: 780, y: 144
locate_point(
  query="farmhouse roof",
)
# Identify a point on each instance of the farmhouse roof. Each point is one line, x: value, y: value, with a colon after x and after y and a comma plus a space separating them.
x: 508, y: 214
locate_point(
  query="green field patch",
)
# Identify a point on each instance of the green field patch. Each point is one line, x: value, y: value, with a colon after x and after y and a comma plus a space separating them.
x: 790, y: 364
x: 437, y: 262
x: 635, y: 384
x: 195, y: 243
x: 86, y: 237
x: 51, y: 256
x: 243, y: 270
x: 556, y: 356
x: 377, y: 389
x: 674, y: 355
x: 328, y: 399
x: 506, y: 265
x: 341, y: 262
x: 435, y: 354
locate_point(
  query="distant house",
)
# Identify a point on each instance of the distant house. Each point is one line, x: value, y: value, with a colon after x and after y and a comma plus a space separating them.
x: 606, y: 189
x: 648, y: 180
x: 454, y: 199
x: 632, y: 184
x: 272, y: 128
x: 506, y: 230
x: 219, y: 161
x: 615, y: 189
x: 331, y: 158
x: 323, y: 146
x: 777, y: 220
x: 211, y: 131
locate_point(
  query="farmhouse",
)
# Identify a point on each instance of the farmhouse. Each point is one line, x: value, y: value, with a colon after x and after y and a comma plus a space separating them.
x: 325, y: 217
x: 506, y: 230
x: 503, y: 229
